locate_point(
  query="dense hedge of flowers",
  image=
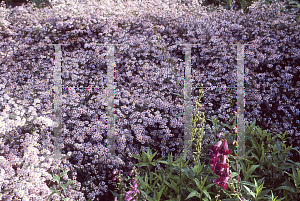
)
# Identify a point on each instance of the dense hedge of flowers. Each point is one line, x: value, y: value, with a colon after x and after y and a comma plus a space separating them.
x: 143, y: 122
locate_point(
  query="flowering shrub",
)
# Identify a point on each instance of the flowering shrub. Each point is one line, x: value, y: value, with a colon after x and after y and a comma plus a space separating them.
x: 82, y: 154
x: 24, y: 169
x: 172, y: 186
x: 134, y: 192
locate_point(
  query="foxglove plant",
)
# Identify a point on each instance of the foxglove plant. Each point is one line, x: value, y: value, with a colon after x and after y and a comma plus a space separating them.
x: 220, y: 168
x: 134, y: 192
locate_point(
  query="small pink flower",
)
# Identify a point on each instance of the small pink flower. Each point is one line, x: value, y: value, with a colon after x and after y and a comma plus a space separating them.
x: 219, y: 135
x: 220, y: 168
x: 223, y: 161
x: 127, y: 197
x: 222, y: 182
x: 225, y: 149
x: 134, y: 183
x: 214, y: 159
x: 217, y: 146
x: 234, y: 129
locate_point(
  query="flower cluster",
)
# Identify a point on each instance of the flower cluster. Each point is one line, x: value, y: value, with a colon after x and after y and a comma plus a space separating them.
x: 134, y: 192
x: 220, y: 168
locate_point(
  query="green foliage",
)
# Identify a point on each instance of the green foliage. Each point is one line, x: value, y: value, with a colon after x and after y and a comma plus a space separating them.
x: 186, y: 186
x: 57, y: 178
x: 197, y: 180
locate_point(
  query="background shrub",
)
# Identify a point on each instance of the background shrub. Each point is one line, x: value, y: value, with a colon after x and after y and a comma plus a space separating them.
x: 14, y: 3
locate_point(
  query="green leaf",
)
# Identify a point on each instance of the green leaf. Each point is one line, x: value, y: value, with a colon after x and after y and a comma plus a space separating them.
x: 288, y: 188
x: 251, y: 170
x: 228, y: 2
x: 187, y: 172
x: 263, y: 194
x: 198, y: 184
x: 56, y: 178
x: 248, y: 183
x: 174, y: 186
x: 193, y: 194
x: 249, y: 191
x: 53, y: 192
x: 180, y: 114
x: 181, y: 96
x: 63, y: 173
x: 226, y: 125
x: 207, y: 194
x: 203, y: 182
x: 136, y: 157
x: 158, y: 176
x: 160, y: 192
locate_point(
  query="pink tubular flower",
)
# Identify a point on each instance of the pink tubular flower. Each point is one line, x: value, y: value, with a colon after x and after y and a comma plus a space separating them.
x: 134, y: 187
x: 214, y: 159
x: 131, y: 195
x: 220, y: 168
x: 216, y: 154
x: 219, y: 135
x: 225, y: 149
x: 127, y: 197
x: 222, y: 181
x: 217, y: 146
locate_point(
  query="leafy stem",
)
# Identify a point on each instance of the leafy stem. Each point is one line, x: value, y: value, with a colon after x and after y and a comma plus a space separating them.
x: 169, y: 60
x: 62, y: 187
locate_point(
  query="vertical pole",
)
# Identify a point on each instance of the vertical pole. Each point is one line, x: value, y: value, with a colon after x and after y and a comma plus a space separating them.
x: 110, y: 102
x: 57, y: 103
x: 240, y: 101
x: 187, y: 104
